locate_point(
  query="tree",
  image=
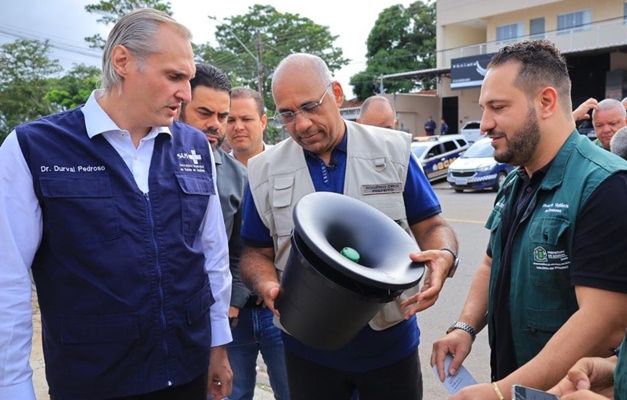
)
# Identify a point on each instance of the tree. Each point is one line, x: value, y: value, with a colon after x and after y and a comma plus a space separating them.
x: 250, y: 46
x: 74, y: 88
x: 25, y: 69
x: 112, y: 10
x: 402, y: 39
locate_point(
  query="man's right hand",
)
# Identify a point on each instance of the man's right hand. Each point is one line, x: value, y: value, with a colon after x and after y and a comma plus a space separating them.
x: 591, y: 373
x: 457, y: 343
x: 269, y: 291
x: 581, y: 112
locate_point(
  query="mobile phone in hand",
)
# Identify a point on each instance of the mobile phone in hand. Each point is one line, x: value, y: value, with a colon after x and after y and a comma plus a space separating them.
x: 520, y: 392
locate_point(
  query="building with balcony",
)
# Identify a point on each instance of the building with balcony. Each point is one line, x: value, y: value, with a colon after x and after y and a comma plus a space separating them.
x: 592, y: 36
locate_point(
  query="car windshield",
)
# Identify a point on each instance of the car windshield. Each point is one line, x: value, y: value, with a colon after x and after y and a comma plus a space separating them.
x: 472, y: 125
x: 482, y: 149
x: 418, y: 150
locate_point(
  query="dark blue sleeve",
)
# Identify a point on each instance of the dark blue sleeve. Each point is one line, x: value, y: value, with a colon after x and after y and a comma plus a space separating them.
x: 420, y: 199
x: 254, y: 232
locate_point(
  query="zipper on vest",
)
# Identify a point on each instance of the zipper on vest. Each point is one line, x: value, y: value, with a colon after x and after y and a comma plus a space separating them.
x: 155, y: 247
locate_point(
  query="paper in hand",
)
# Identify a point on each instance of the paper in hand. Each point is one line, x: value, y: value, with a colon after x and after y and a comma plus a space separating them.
x: 455, y: 383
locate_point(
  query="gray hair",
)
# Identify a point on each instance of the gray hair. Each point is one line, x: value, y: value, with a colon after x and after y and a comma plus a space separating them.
x: 305, y: 62
x: 137, y: 32
x: 618, y: 143
x: 610, y: 104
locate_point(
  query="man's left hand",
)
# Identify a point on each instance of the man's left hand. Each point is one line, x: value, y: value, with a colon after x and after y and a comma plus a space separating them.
x: 220, y: 382
x: 438, y: 264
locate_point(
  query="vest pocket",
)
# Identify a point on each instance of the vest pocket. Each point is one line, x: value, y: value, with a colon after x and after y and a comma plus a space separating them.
x: 541, y: 326
x: 79, y: 209
x: 195, y: 191
x: 548, y: 253
x: 78, y: 329
x: 198, y: 305
x: 97, y: 345
x: 281, y: 199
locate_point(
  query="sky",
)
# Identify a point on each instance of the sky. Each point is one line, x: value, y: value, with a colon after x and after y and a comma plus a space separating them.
x: 65, y: 23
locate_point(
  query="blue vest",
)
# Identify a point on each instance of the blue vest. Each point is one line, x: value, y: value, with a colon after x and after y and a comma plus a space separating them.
x: 120, y: 275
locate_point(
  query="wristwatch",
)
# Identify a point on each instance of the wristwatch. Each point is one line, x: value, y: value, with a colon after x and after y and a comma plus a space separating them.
x: 464, y: 327
x: 451, y: 273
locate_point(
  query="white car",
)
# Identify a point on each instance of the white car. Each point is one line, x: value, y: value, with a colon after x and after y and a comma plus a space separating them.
x: 472, y: 131
x: 477, y: 169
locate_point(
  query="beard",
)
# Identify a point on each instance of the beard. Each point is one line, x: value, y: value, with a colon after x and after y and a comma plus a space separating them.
x: 522, y: 144
x: 215, y: 133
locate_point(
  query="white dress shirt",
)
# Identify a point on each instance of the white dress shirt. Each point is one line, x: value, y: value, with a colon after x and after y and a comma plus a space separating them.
x: 21, y: 233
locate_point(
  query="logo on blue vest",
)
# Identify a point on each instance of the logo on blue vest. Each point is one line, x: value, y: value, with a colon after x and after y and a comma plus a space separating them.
x: 191, y: 161
x: 192, y: 156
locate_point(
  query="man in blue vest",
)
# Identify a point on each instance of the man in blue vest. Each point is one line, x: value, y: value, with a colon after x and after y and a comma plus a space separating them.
x: 113, y: 208
x: 552, y: 287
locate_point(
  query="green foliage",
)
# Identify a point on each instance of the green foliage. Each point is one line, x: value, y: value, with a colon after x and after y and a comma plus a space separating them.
x: 73, y: 89
x: 250, y: 46
x: 272, y: 134
x: 111, y: 11
x: 24, y: 81
x: 402, y: 39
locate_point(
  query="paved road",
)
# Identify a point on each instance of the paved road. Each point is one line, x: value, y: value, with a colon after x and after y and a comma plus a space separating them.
x: 466, y: 212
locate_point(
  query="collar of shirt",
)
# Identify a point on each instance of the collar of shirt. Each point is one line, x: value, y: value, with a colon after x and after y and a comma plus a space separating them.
x: 217, y: 155
x: 97, y: 121
x: 137, y: 159
x: 537, y: 176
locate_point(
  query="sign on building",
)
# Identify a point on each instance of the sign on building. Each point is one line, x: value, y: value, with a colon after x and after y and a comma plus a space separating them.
x: 468, y: 72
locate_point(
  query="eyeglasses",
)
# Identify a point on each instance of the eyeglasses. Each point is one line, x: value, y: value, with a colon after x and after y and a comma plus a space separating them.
x: 287, y: 117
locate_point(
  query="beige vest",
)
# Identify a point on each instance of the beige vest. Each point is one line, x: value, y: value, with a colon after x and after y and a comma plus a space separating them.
x: 376, y: 159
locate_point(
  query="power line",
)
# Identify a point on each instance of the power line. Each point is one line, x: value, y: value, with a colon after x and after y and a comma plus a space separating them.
x: 55, y: 43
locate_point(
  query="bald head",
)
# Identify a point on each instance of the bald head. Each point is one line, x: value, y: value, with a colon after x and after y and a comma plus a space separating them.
x: 377, y: 111
x: 306, y: 66
x: 618, y: 143
x: 308, y: 103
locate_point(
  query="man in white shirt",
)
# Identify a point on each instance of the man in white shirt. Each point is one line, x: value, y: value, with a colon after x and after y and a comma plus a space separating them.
x: 246, y: 124
x: 114, y: 208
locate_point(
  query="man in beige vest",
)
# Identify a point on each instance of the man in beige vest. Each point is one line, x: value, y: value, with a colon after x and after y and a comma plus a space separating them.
x: 326, y: 153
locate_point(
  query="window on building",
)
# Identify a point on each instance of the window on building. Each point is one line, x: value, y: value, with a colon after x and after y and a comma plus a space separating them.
x: 536, y: 28
x: 509, y: 33
x: 577, y: 21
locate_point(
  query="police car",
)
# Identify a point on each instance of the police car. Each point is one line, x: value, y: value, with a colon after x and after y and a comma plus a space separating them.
x: 477, y: 169
x: 436, y: 153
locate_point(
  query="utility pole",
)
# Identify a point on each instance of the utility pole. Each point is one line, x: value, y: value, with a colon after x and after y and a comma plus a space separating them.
x: 257, y: 58
x: 259, y: 64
